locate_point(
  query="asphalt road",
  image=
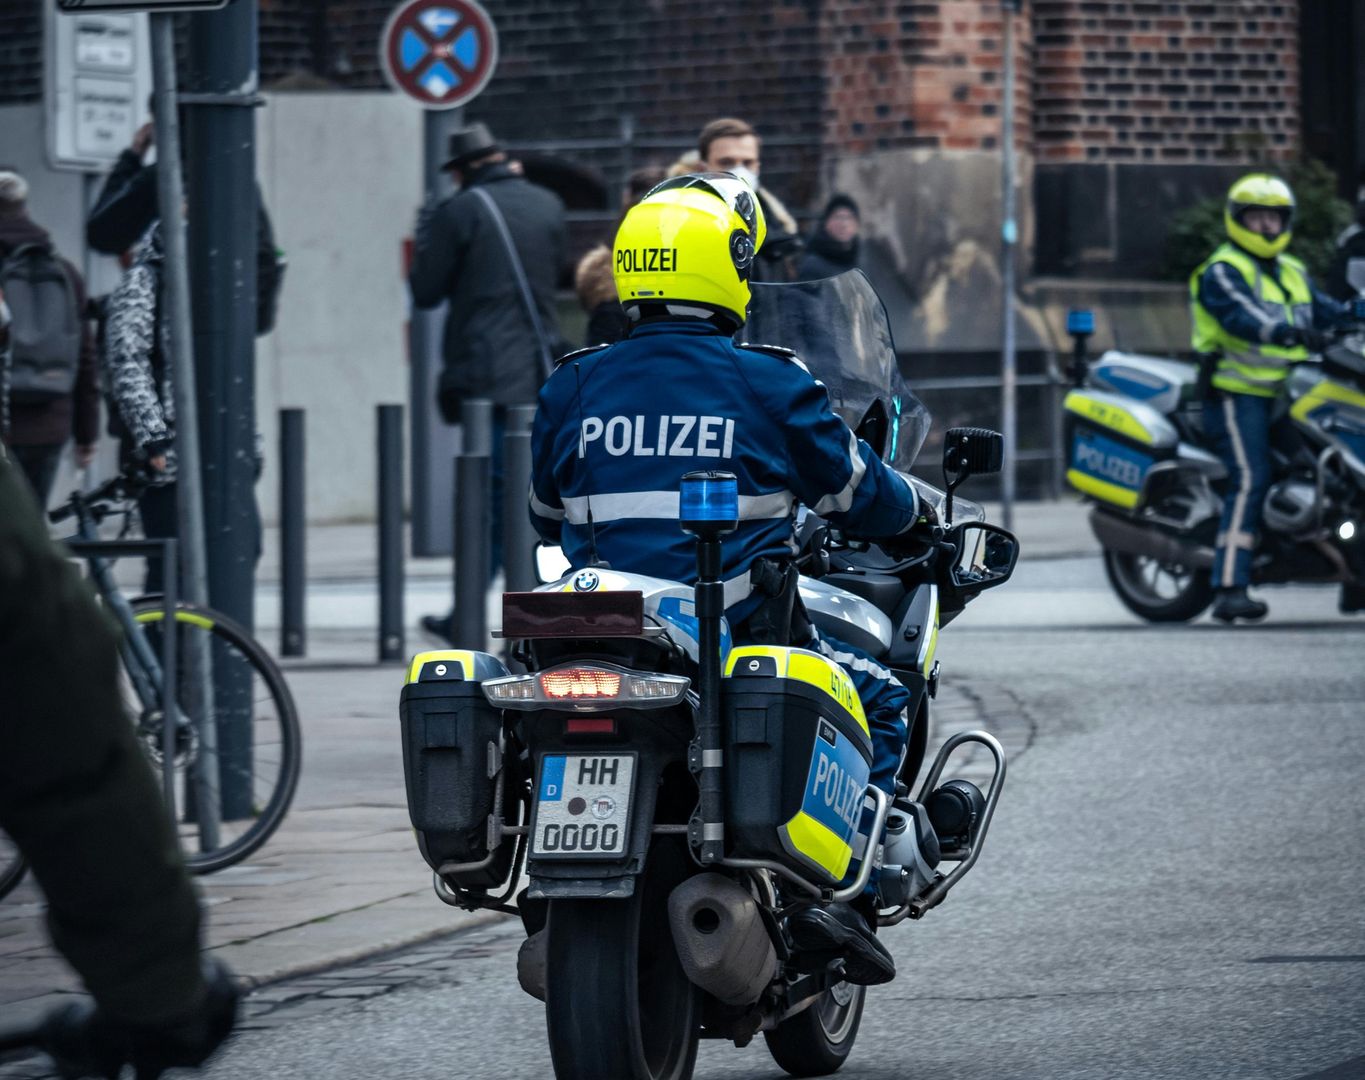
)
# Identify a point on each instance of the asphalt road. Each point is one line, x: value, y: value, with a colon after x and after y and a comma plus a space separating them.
x: 1174, y: 887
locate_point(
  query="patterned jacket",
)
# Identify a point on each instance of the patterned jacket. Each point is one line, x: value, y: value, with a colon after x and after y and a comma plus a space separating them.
x: 137, y: 374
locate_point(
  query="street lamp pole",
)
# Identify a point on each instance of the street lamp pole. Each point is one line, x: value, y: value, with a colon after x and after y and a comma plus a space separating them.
x: 1009, y: 235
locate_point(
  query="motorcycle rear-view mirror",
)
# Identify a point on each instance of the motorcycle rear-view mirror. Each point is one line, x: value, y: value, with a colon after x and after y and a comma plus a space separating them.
x: 1355, y: 274
x: 986, y: 555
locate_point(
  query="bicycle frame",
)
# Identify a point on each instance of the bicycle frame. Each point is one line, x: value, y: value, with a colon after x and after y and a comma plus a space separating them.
x: 145, y: 670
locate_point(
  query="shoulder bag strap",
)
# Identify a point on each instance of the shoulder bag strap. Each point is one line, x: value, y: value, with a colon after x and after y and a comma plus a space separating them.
x: 527, y: 299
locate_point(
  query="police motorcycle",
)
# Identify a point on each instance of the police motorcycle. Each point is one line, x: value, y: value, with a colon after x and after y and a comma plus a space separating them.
x: 672, y: 797
x: 1138, y: 452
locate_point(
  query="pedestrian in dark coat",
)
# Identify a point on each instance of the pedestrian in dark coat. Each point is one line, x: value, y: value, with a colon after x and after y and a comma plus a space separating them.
x: 833, y: 247
x: 38, y: 431
x: 492, y: 346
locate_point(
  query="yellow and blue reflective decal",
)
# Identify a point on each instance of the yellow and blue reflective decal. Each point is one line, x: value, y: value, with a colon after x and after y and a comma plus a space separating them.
x: 821, y: 834
x: 808, y: 667
x: 1107, y: 469
x: 925, y: 660
x: 1112, y: 416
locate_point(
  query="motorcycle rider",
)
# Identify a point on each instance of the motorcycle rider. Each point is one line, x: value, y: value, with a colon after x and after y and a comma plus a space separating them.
x: 618, y: 426
x: 1255, y: 312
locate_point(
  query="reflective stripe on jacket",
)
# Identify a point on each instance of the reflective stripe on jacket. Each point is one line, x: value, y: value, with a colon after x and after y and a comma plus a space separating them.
x: 1262, y: 301
x: 618, y: 427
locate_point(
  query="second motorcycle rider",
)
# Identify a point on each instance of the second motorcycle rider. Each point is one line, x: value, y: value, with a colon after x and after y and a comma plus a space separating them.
x: 618, y: 426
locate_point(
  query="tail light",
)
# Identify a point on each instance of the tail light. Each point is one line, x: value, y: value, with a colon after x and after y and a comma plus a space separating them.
x: 586, y: 688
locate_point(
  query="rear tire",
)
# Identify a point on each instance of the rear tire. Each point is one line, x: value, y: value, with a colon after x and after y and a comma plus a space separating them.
x: 817, y: 1042
x: 617, y: 1001
x: 1156, y: 591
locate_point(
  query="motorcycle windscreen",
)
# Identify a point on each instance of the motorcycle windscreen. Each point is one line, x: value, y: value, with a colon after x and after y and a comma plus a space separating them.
x: 839, y: 328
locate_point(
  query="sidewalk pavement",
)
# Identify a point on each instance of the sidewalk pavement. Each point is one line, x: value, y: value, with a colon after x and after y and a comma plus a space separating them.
x: 342, y: 879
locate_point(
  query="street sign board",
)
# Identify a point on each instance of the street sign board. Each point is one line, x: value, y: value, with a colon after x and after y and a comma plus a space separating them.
x: 77, y: 6
x: 99, y: 78
x: 440, y: 53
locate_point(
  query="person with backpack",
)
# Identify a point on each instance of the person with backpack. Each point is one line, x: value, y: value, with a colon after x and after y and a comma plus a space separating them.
x: 51, y: 378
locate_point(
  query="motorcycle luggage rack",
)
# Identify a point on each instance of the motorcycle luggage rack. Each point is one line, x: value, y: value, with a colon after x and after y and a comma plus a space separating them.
x: 942, y: 885
x: 823, y: 892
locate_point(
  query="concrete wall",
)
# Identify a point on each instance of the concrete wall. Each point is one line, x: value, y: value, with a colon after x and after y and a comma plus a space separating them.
x: 341, y: 174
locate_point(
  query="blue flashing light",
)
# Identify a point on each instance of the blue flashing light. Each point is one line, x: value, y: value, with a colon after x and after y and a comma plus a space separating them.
x: 1358, y: 310
x: 1080, y: 321
x: 709, y: 500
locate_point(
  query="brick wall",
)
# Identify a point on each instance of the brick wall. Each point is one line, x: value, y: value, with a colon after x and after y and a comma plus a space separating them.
x: 1165, y: 82
x: 919, y: 75
x: 21, y: 52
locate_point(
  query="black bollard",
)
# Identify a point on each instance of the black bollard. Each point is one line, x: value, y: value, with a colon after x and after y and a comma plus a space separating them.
x: 389, y: 419
x: 473, y: 520
x: 518, y: 534
x: 293, y: 534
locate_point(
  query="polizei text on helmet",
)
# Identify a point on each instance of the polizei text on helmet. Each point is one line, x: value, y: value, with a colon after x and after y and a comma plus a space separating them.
x: 646, y: 260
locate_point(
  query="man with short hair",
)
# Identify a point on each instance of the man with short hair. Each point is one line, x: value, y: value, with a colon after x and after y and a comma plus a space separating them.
x: 732, y: 145
x: 41, y: 421
x: 494, y: 250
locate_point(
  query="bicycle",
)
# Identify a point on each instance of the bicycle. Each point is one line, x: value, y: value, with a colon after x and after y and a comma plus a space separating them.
x: 256, y: 726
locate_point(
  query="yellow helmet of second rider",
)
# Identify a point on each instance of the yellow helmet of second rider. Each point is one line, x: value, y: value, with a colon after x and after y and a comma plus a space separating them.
x: 1259, y: 191
x: 687, y: 248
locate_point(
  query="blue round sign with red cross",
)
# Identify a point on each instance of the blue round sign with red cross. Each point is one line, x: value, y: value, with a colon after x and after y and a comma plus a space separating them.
x: 440, y: 53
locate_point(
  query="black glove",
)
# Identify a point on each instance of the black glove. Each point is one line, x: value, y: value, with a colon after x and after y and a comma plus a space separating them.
x: 85, y: 1041
x: 1315, y: 341
x: 1287, y: 336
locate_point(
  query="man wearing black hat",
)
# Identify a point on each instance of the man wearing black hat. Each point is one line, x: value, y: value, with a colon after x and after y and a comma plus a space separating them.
x: 494, y: 250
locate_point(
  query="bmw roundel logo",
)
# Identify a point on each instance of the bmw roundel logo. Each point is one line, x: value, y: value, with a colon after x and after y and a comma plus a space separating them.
x: 586, y: 581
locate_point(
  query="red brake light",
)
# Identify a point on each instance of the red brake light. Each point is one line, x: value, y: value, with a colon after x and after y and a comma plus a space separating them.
x: 580, y: 683
x: 590, y: 725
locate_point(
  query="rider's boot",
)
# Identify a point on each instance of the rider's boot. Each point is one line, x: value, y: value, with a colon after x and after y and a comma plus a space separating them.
x: 1352, y: 599
x: 845, y: 930
x: 1233, y: 604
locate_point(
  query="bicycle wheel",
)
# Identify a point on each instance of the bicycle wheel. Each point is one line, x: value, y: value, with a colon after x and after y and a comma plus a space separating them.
x: 256, y: 728
x: 12, y: 865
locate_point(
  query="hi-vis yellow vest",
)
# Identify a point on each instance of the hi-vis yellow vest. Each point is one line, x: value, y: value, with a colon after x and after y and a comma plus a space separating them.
x: 1253, y: 367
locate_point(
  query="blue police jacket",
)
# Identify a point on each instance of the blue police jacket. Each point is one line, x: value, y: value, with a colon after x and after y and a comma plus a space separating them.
x: 618, y: 427
x: 1230, y: 299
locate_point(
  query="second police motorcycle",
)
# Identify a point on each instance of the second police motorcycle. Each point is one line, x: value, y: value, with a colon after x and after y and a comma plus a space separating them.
x: 670, y: 797
x: 1139, y: 453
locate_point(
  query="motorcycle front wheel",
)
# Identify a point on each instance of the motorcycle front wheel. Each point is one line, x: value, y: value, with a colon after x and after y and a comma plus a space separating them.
x: 1158, y: 591
x: 817, y: 1042
x: 617, y: 1000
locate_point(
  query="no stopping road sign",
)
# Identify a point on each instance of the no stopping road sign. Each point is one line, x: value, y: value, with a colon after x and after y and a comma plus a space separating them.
x: 440, y: 53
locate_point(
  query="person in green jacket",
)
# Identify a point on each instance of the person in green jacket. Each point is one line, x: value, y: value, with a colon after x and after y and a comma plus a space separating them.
x: 1256, y: 311
x: 80, y: 800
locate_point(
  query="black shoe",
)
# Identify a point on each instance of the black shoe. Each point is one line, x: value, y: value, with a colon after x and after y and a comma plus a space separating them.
x: 1352, y: 599
x: 839, y: 930
x: 1236, y: 604
x: 439, y: 627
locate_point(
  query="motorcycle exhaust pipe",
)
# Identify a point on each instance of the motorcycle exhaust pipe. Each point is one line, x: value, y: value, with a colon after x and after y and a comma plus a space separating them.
x: 1134, y: 538
x: 721, y: 940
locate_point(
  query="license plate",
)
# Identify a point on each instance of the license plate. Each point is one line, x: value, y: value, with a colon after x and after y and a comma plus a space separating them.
x: 583, y: 806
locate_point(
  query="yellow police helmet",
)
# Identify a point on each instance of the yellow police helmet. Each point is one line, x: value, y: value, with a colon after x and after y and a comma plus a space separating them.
x: 687, y: 248
x: 1259, y: 191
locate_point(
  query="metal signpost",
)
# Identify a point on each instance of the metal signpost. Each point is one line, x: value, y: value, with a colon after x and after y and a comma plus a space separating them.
x: 439, y: 53
x: 1009, y: 235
